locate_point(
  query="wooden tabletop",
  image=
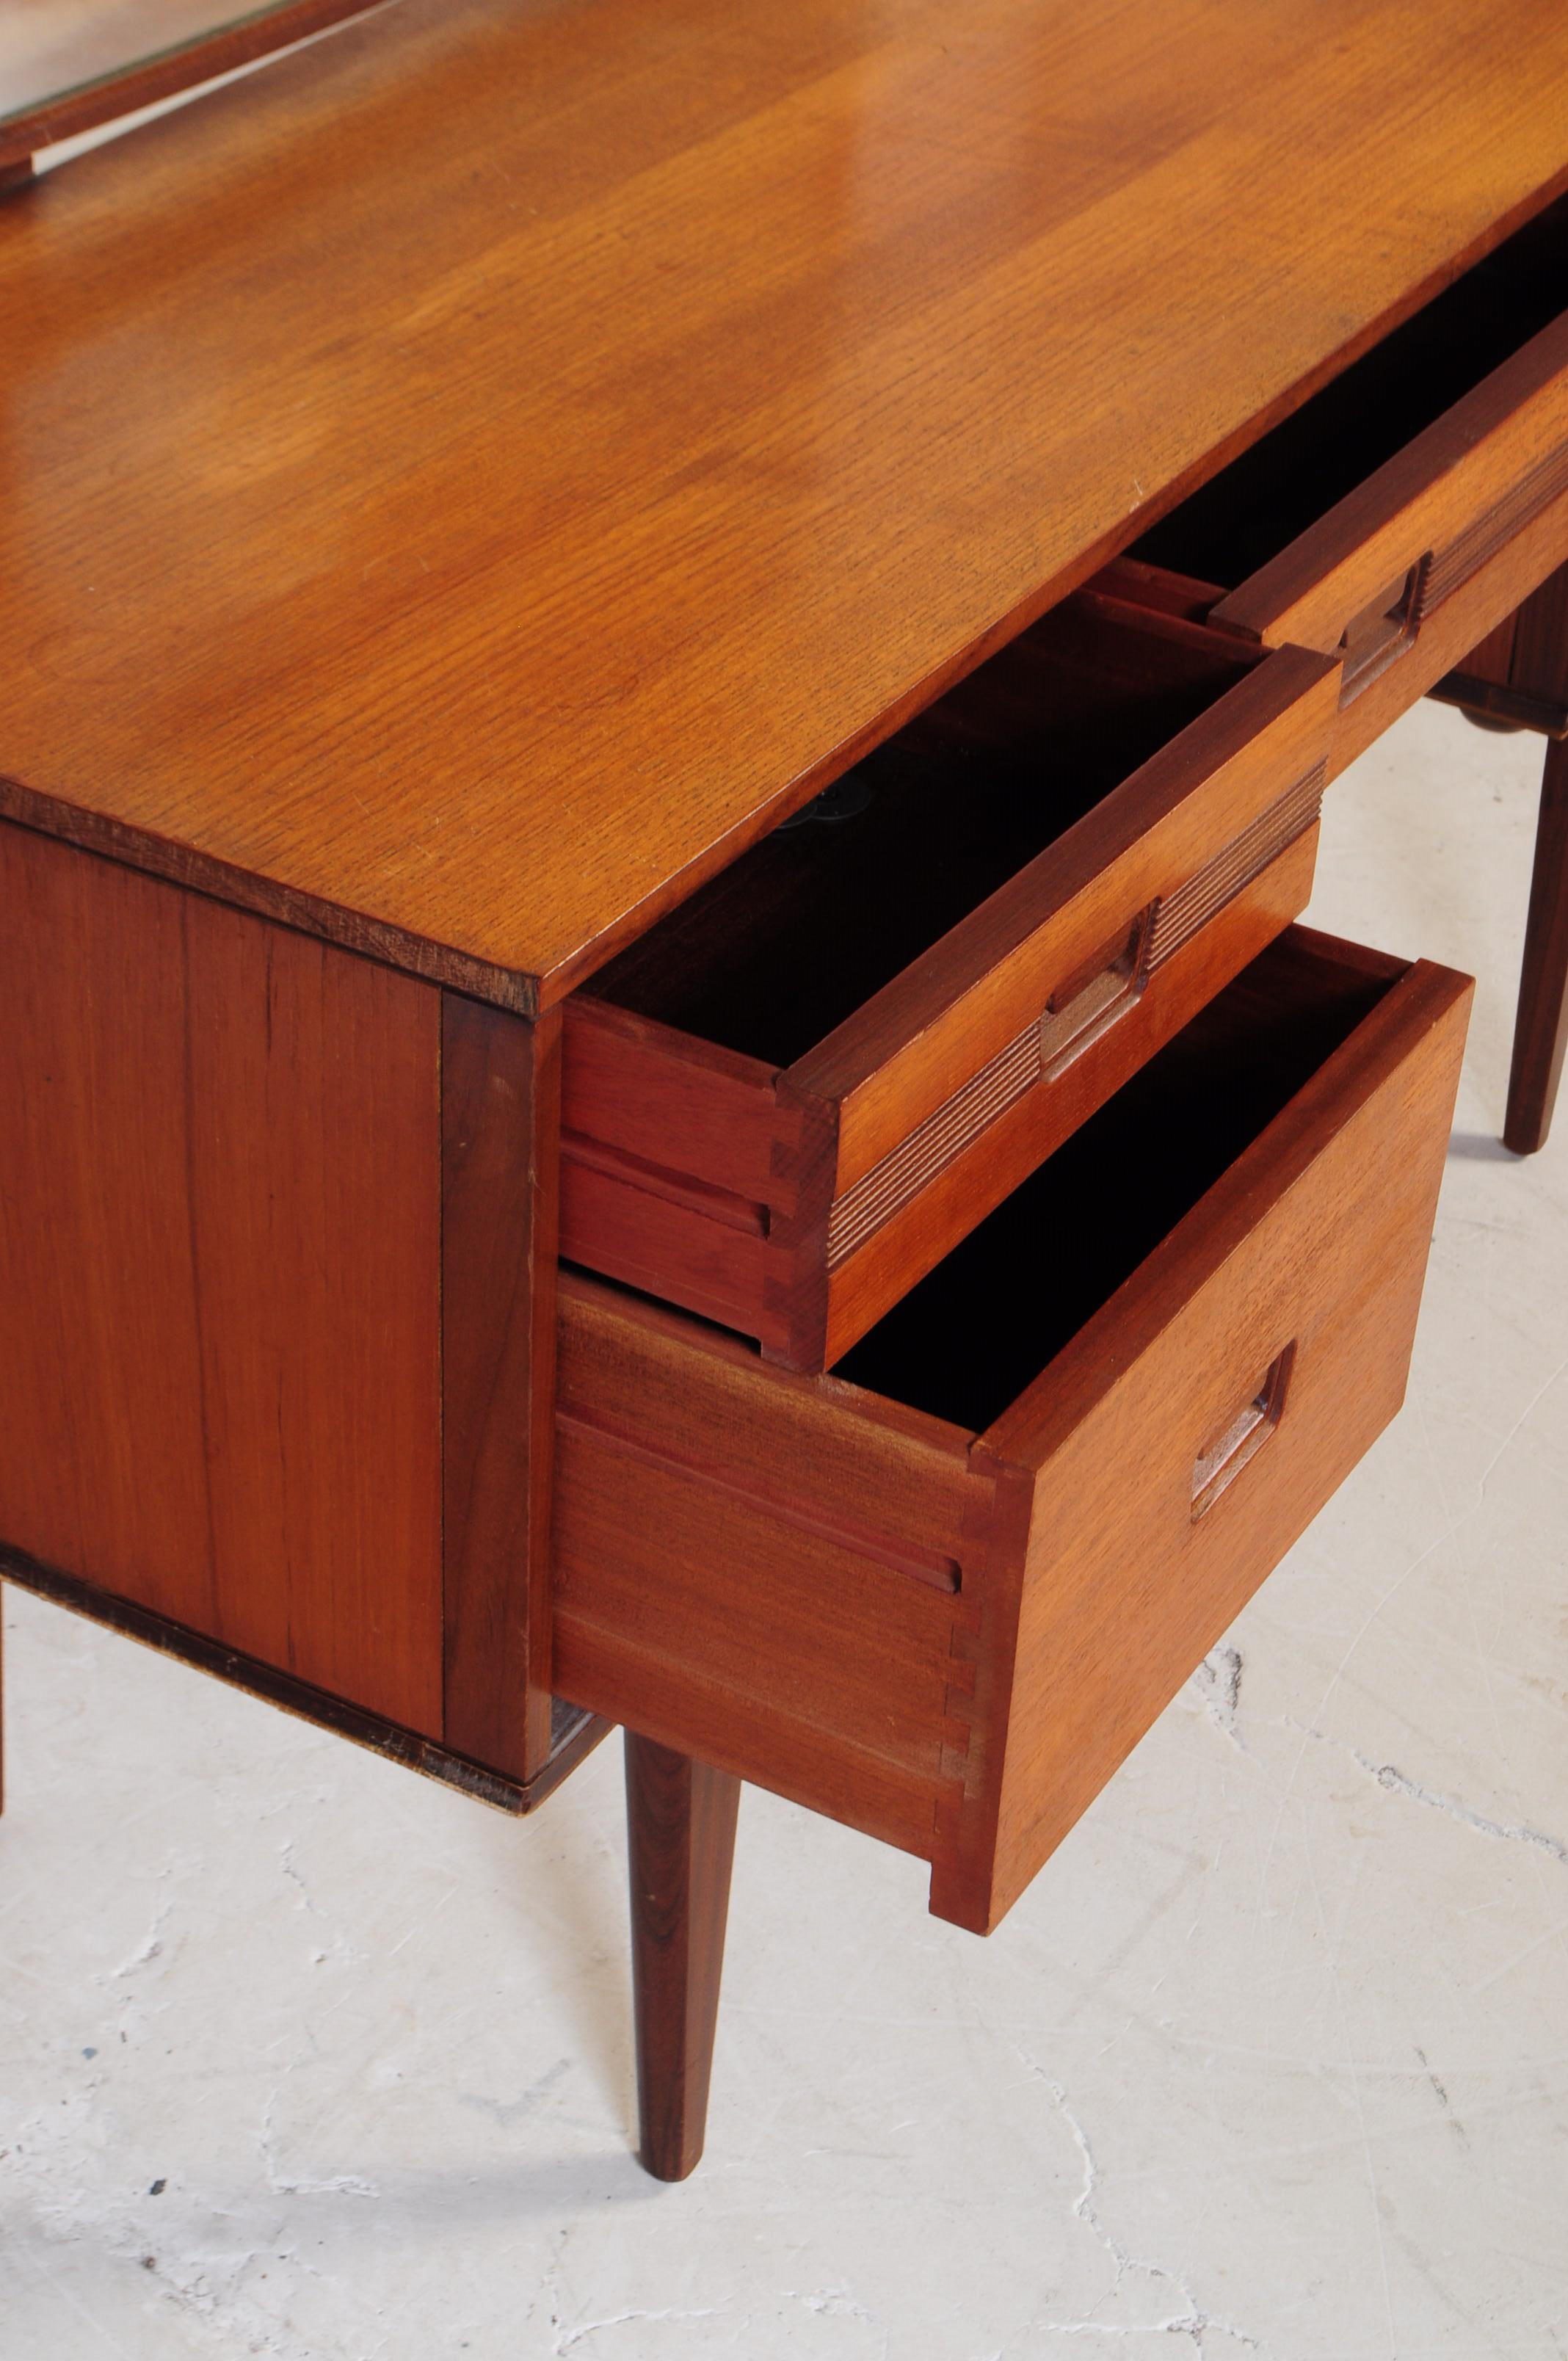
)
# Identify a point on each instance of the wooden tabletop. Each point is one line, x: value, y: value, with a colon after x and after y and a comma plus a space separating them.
x: 462, y: 482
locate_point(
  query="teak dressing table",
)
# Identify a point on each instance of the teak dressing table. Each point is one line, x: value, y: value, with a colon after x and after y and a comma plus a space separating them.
x: 669, y: 676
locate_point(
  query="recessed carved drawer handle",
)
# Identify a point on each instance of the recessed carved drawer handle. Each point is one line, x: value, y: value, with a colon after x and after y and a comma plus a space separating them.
x: 1091, y: 1000
x: 1385, y: 629
x: 1243, y: 1436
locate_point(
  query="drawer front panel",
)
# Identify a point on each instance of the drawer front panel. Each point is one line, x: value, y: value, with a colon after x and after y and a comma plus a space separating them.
x: 1033, y: 1108
x: 1056, y: 1035
x: 794, y: 1205
x: 1377, y: 577
x: 926, y: 1038
x: 1459, y: 558
x: 1188, y: 1436
x: 1446, y: 637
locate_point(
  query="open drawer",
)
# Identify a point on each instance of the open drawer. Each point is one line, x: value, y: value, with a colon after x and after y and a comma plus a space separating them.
x: 787, y: 1101
x: 1403, y: 511
x: 941, y: 1595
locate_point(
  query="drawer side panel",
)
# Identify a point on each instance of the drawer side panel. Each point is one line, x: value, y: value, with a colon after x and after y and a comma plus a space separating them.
x: 677, y: 1102
x: 756, y: 1569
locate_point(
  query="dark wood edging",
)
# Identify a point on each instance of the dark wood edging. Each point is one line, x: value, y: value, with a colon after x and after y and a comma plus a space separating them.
x: 575, y: 1732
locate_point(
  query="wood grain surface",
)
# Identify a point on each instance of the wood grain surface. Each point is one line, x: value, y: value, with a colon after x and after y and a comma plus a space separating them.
x: 753, y: 1567
x: 680, y: 1830
x: 500, y: 1079
x: 1311, y: 1252
x: 464, y: 482
x: 1456, y: 494
x: 1406, y: 509
x: 1474, y: 609
x: 220, y: 1342
x: 872, y: 1279
x: 899, y: 1056
x: 1477, y: 610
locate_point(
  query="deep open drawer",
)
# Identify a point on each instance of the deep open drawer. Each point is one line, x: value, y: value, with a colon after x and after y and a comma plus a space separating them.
x: 788, y: 1100
x: 1404, y: 510
x: 941, y: 1597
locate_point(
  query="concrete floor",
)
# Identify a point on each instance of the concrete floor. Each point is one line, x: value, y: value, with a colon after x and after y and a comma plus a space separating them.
x: 302, y: 2056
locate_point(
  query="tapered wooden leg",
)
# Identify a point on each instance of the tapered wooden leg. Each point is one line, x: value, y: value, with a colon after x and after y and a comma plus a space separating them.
x: 680, y: 1818
x: 1541, y: 1033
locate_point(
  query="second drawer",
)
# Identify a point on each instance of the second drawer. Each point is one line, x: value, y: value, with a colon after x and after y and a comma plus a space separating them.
x: 1405, y: 510
x: 941, y: 1595
x: 791, y: 1096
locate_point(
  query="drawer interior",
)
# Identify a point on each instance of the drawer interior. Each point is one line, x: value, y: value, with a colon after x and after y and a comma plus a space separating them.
x: 1274, y: 491
x: 971, y: 1337
x: 791, y: 940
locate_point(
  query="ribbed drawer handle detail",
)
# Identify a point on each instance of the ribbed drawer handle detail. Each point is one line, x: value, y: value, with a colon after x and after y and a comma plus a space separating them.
x: 1390, y: 624
x: 1243, y: 1436
x: 1452, y: 567
x: 1080, y: 1011
x: 1183, y: 914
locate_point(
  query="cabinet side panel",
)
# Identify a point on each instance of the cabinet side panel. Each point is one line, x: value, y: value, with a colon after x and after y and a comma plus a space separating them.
x: 103, y: 1452
x: 219, y: 1273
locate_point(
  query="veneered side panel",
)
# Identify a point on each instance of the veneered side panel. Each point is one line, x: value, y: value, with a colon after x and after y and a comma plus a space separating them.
x: 220, y: 1225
